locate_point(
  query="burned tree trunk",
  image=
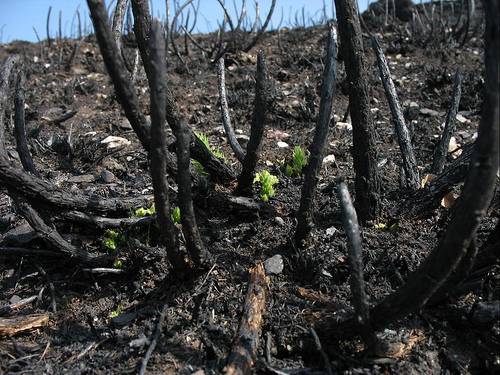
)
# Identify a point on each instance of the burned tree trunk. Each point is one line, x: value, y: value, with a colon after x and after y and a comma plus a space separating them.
x: 158, y: 154
x: 316, y: 150
x: 194, y: 243
x: 4, y: 93
x: 364, y: 152
x: 262, y: 93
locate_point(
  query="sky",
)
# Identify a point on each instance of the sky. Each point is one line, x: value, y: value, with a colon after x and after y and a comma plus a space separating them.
x: 19, y: 18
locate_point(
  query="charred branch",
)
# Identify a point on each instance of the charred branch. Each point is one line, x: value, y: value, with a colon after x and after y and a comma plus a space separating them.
x: 357, y: 283
x: 226, y: 119
x: 317, y: 148
x: 364, y: 152
x: 118, y: 72
x: 194, y: 243
x: 262, y: 97
x: 118, y: 17
x: 20, y: 127
x: 405, y: 145
x: 159, y: 150
x: 44, y: 192
x: 449, y: 126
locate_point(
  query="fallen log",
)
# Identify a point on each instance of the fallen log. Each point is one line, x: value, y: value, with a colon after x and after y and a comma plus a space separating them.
x: 244, y: 352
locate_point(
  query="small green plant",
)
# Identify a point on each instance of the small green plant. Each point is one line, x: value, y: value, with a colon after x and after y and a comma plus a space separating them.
x: 216, y: 151
x: 118, y: 264
x: 297, y: 164
x: 117, y: 312
x: 176, y: 215
x: 110, y: 239
x: 142, y: 212
x: 267, y: 181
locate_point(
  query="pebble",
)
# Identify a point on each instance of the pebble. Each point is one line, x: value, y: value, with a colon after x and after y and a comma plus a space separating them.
x: 274, y: 265
x: 429, y: 112
x: 107, y: 176
x: 279, y: 221
x: 329, y: 159
x: 282, y: 145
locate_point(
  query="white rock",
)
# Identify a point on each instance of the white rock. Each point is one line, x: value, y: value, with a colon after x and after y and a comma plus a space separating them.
x: 114, y: 142
x: 331, y: 231
x: 329, y: 159
x: 282, y: 144
x: 462, y: 119
x: 344, y: 126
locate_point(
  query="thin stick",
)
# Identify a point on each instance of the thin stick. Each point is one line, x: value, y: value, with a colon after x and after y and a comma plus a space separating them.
x: 405, y: 145
x: 226, y: 119
x: 355, y: 258
x: 154, y: 340
x: 20, y: 128
x: 317, y: 148
x: 262, y: 93
x: 259, y: 34
x: 47, y: 27
x: 449, y: 126
x: 319, y: 348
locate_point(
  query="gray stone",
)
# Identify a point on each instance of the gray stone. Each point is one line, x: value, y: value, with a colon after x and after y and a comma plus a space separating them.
x: 279, y: 221
x: 274, y: 265
x: 107, y: 177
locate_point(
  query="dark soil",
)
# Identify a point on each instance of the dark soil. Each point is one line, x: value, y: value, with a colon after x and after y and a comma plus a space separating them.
x: 101, y: 319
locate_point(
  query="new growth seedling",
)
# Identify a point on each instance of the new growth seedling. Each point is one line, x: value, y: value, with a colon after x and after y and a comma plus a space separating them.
x: 176, y: 215
x: 297, y: 164
x: 267, y: 182
x: 216, y: 151
x: 111, y: 239
x: 143, y: 212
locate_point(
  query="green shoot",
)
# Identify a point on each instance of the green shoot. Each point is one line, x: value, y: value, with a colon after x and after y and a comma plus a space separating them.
x: 267, y: 181
x: 297, y: 164
x: 118, y: 264
x: 117, y: 312
x: 112, y: 238
x: 216, y: 151
x: 142, y: 212
x: 176, y: 215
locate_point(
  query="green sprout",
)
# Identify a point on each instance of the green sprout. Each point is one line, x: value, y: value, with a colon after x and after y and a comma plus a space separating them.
x: 298, y: 162
x: 176, y: 215
x: 117, y: 312
x: 142, y: 212
x: 118, y: 264
x: 267, y: 181
x: 216, y: 151
x: 110, y: 239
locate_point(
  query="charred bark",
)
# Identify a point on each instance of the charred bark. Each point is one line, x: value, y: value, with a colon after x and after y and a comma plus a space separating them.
x: 226, y: 119
x: 159, y: 150
x: 405, y: 145
x: 4, y: 93
x: 449, y: 126
x: 194, y: 243
x: 364, y: 152
x: 317, y: 148
x: 262, y: 96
